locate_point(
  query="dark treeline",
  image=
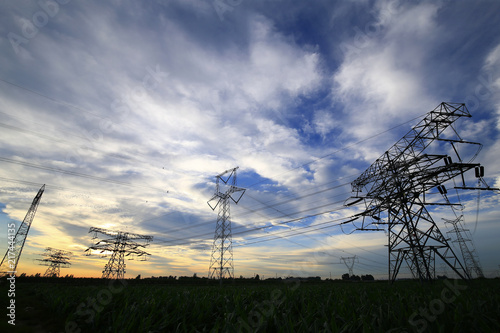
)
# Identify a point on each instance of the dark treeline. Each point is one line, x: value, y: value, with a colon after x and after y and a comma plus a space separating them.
x: 180, y: 280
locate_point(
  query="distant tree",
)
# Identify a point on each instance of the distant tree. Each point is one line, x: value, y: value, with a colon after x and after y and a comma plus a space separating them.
x: 195, y: 276
x: 138, y: 277
x: 37, y: 275
x: 257, y: 277
x: 355, y: 278
x: 23, y: 275
x: 345, y: 276
x: 367, y: 277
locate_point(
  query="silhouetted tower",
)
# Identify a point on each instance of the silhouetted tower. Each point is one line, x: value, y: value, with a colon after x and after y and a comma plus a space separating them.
x: 55, y: 259
x: 463, y: 236
x: 393, y: 190
x: 349, y: 262
x: 16, y: 242
x: 221, y: 261
x: 120, y: 244
x: 464, y: 240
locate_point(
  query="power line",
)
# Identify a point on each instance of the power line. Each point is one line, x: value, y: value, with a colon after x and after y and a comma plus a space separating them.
x: 73, y: 144
x: 339, y: 150
x: 51, y: 99
x: 77, y: 174
x: 253, y: 229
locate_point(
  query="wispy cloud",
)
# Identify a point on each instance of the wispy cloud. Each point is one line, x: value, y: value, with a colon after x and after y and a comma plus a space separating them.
x: 128, y: 112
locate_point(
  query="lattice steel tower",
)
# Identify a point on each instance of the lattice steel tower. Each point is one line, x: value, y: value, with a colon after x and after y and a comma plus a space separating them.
x: 464, y: 240
x: 16, y: 243
x: 121, y: 245
x: 349, y: 262
x: 394, y: 188
x: 463, y: 236
x: 55, y: 259
x: 221, y: 261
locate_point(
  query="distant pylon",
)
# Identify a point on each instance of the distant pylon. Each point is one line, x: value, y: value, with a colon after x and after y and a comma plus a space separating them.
x: 221, y: 261
x: 121, y: 244
x: 464, y: 240
x: 55, y: 259
x: 16, y: 243
x: 349, y: 262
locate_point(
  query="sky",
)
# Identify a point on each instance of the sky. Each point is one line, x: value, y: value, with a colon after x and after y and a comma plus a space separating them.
x: 127, y: 110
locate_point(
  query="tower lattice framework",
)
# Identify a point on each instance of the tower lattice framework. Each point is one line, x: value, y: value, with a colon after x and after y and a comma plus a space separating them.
x: 55, y: 259
x: 394, y: 189
x: 467, y: 248
x: 349, y: 262
x: 16, y: 242
x: 120, y: 244
x: 462, y: 236
x: 221, y: 260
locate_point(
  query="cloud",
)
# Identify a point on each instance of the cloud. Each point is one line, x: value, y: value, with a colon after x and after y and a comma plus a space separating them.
x: 128, y: 112
x: 380, y: 81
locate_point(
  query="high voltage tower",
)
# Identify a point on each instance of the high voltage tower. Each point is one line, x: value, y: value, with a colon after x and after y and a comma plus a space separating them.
x: 55, y: 259
x: 120, y: 244
x: 463, y: 236
x: 221, y: 261
x: 16, y: 242
x: 394, y: 189
x: 349, y: 262
x: 464, y: 240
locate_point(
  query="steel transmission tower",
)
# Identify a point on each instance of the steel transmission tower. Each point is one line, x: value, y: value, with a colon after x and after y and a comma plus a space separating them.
x: 349, y: 262
x: 393, y: 190
x: 221, y: 261
x: 462, y: 236
x: 55, y: 259
x: 464, y: 240
x: 121, y: 245
x: 16, y: 243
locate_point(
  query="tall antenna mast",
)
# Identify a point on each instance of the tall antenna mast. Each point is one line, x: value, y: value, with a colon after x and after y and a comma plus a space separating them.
x: 120, y: 244
x: 16, y: 243
x: 221, y: 261
x: 394, y: 188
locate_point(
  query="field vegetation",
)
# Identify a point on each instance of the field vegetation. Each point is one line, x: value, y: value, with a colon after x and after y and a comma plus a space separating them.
x: 293, y: 305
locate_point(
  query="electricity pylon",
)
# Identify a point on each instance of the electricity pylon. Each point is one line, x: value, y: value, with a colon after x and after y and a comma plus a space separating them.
x: 55, y: 259
x: 221, y: 261
x: 393, y: 190
x: 16, y: 243
x: 349, y: 262
x: 120, y: 244
x: 464, y: 240
x: 463, y: 236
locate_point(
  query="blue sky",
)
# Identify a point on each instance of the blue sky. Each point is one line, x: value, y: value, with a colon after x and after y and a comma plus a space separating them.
x: 127, y: 110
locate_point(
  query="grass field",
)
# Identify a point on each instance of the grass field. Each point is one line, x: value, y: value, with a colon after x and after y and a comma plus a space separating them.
x: 75, y: 305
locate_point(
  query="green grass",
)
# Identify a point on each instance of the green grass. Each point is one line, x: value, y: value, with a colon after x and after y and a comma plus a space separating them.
x: 276, y: 307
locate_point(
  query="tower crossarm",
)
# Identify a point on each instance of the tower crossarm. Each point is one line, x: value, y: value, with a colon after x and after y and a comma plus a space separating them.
x: 413, y: 143
x: 123, y: 235
x: 233, y: 192
x: 424, y: 176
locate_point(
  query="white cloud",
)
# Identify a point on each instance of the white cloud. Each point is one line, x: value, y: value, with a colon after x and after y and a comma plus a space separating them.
x: 223, y: 94
x: 380, y: 80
